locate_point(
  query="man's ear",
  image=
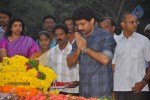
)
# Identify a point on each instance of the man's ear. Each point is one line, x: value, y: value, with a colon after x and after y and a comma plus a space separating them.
x: 92, y: 20
x: 122, y: 24
x: 113, y: 28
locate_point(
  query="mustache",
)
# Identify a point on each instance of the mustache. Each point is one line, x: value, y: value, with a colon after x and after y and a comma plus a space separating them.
x: 59, y: 39
x: 80, y: 31
x: 2, y: 22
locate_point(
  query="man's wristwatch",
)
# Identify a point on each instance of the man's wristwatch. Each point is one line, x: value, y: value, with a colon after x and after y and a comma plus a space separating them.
x: 84, y: 50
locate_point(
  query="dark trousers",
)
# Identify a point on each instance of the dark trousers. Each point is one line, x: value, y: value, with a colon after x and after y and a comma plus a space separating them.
x: 129, y: 95
x: 149, y: 90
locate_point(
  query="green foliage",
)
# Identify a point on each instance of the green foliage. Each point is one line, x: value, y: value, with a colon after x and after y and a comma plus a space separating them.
x: 34, y: 64
x: 41, y: 75
x: 33, y: 11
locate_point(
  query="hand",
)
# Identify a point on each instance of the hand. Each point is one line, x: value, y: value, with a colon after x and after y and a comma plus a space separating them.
x: 73, y: 84
x: 138, y: 87
x: 81, y: 42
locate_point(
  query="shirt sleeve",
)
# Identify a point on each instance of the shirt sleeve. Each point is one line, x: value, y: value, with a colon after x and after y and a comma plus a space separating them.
x: 3, y: 43
x: 49, y: 62
x: 74, y: 47
x: 147, y: 52
x: 109, y: 45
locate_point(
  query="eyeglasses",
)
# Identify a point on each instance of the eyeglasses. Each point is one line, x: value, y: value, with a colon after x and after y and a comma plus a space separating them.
x: 133, y: 22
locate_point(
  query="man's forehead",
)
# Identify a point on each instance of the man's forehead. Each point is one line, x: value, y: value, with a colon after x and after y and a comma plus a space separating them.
x: 49, y: 19
x: 80, y: 21
x: 2, y: 14
x: 104, y: 23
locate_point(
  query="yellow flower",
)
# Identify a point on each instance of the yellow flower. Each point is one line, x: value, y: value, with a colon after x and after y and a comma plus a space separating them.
x: 13, y: 71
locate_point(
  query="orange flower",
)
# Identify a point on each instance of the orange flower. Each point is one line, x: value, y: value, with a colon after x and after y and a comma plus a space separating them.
x: 21, y: 91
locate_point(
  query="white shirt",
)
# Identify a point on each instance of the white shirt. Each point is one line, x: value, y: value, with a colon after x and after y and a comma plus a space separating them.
x: 117, y: 37
x: 129, y: 59
x: 57, y: 61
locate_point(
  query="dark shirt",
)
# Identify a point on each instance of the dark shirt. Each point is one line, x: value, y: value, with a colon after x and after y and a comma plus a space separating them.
x: 96, y: 79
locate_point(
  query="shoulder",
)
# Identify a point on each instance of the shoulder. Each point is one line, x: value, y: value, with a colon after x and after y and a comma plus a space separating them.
x: 3, y: 40
x: 141, y: 37
x: 102, y: 33
x: 69, y: 45
x: 52, y: 50
x: 26, y: 37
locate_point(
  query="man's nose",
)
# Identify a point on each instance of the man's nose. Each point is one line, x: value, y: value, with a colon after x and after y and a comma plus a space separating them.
x: 79, y: 27
x: 1, y: 19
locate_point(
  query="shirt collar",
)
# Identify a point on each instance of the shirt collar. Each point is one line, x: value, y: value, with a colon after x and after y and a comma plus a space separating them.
x: 1, y: 29
x: 122, y: 36
x: 67, y: 46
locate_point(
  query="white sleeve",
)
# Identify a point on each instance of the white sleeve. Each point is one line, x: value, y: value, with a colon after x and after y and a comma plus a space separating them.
x: 49, y: 62
x: 147, y: 51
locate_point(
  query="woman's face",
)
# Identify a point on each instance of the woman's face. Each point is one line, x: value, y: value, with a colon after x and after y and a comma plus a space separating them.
x: 16, y: 28
x: 44, y: 42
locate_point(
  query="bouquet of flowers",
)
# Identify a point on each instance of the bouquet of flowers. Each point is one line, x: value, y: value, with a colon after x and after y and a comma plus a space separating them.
x: 22, y: 72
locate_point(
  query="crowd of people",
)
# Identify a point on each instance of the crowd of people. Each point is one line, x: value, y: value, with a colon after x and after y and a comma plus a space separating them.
x: 88, y: 54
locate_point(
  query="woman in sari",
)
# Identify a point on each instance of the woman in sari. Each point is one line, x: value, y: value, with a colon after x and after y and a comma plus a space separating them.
x: 15, y: 42
x: 44, y: 43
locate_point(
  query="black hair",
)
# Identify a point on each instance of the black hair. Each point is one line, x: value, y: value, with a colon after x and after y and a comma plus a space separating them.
x: 83, y: 12
x: 7, y: 12
x: 68, y: 18
x: 61, y: 26
x: 113, y: 23
x: 97, y: 19
x: 124, y: 14
x: 43, y: 33
x: 49, y: 16
x: 9, y: 26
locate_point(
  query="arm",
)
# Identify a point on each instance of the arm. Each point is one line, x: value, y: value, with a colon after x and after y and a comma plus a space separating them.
x: 73, y: 84
x: 147, y: 76
x: 72, y: 58
x: 113, y: 68
x: 3, y: 53
x: 140, y: 85
x: 103, y: 57
x: 98, y: 56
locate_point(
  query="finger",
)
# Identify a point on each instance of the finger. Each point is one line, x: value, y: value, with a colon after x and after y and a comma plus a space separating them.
x: 137, y: 91
x: 134, y: 89
x: 77, y: 35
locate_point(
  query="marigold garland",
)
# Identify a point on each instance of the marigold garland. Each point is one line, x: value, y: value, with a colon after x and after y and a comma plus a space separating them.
x: 13, y: 72
x: 24, y: 92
